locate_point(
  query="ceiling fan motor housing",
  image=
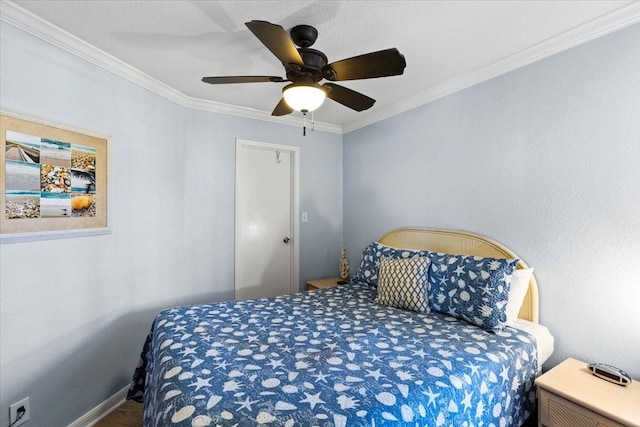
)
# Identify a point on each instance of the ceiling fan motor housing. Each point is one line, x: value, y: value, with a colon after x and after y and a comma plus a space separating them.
x: 311, y: 71
x: 305, y: 36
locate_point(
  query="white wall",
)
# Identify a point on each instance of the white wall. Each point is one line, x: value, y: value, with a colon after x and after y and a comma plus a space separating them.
x: 545, y: 159
x: 74, y: 312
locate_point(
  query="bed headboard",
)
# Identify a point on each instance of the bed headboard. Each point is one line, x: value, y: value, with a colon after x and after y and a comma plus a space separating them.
x: 463, y: 243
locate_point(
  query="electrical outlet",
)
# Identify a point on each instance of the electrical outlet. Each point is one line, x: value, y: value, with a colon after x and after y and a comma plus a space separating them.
x: 14, y: 412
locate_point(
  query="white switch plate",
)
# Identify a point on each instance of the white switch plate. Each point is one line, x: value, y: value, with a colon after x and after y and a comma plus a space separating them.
x: 305, y: 216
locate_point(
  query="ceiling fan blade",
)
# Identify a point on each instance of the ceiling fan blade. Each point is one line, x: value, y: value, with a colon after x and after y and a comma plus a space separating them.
x: 242, y: 79
x: 282, y: 109
x: 349, y: 98
x: 276, y: 39
x: 383, y: 63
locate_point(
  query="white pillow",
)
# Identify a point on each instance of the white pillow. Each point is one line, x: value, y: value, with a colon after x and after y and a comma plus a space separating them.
x: 519, y: 286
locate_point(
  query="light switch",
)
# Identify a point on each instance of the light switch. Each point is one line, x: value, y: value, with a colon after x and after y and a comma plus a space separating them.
x: 305, y: 216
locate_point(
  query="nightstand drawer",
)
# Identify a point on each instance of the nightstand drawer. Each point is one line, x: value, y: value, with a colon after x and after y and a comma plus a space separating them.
x: 558, y: 412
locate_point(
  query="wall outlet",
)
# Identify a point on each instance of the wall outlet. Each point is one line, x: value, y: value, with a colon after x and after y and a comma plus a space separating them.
x: 14, y: 412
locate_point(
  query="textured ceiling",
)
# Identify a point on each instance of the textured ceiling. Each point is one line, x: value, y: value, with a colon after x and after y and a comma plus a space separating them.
x: 444, y: 42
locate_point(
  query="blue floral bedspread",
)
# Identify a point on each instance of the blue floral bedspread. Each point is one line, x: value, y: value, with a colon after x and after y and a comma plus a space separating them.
x: 330, y: 358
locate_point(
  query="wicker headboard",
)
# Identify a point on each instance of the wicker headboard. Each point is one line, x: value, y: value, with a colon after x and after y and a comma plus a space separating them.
x: 463, y: 243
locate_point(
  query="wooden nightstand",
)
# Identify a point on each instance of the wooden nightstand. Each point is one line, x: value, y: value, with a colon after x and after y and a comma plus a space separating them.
x: 570, y: 396
x: 314, y: 284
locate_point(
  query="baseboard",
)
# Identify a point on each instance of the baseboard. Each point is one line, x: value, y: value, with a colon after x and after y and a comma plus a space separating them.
x: 102, y: 410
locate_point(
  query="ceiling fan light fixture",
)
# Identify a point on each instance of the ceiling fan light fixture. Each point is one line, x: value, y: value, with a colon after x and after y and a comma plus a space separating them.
x: 304, y: 97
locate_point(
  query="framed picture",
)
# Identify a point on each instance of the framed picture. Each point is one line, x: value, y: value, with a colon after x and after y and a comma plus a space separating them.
x: 54, y: 181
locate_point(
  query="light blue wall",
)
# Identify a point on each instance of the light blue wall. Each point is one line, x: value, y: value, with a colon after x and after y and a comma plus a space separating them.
x: 74, y: 312
x: 545, y: 159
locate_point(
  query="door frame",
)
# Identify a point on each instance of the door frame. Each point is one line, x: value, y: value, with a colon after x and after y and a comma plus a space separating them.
x: 294, y: 153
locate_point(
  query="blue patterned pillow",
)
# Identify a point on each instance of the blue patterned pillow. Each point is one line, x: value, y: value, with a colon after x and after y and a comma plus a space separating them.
x: 370, y: 263
x: 473, y: 289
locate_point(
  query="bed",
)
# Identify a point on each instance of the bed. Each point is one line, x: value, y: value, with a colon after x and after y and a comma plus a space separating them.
x: 340, y: 357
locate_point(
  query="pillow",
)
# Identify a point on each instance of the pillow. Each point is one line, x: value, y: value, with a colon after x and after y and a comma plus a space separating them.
x: 370, y: 263
x: 471, y: 288
x: 519, y: 287
x: 404, y: 283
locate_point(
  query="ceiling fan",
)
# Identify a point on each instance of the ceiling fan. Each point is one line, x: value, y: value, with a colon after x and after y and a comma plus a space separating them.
x: 306, y: 67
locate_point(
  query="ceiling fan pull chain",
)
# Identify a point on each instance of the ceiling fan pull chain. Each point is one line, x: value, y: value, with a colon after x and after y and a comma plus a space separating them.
x: 313, y: 123
x: 304, y: 124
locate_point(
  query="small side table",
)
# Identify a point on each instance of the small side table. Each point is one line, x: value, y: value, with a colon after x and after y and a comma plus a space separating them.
x: 315, y: 284
x: 570, y: 396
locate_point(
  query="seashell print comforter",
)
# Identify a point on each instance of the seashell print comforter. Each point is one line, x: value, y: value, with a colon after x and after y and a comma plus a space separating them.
x: 330, y: 358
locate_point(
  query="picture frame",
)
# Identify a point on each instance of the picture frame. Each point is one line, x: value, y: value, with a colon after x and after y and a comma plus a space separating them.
x: 54, y: 180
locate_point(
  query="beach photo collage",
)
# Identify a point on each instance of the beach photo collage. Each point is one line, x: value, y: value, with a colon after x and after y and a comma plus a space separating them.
x: 47, y: 179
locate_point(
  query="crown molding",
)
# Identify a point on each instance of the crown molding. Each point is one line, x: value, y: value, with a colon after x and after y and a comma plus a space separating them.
x: 26, y: 21
x: 622, y: 17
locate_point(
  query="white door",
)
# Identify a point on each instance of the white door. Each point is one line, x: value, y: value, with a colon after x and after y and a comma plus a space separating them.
x: 266, y: 220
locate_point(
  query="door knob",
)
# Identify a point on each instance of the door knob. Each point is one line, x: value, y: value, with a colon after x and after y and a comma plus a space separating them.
x: 286, y: 240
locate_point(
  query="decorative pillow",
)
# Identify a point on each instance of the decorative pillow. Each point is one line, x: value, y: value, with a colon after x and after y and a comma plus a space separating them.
x: 517, y: 291
x: 370, y: 263
x: 473, y: 289
x: 404, y: 283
